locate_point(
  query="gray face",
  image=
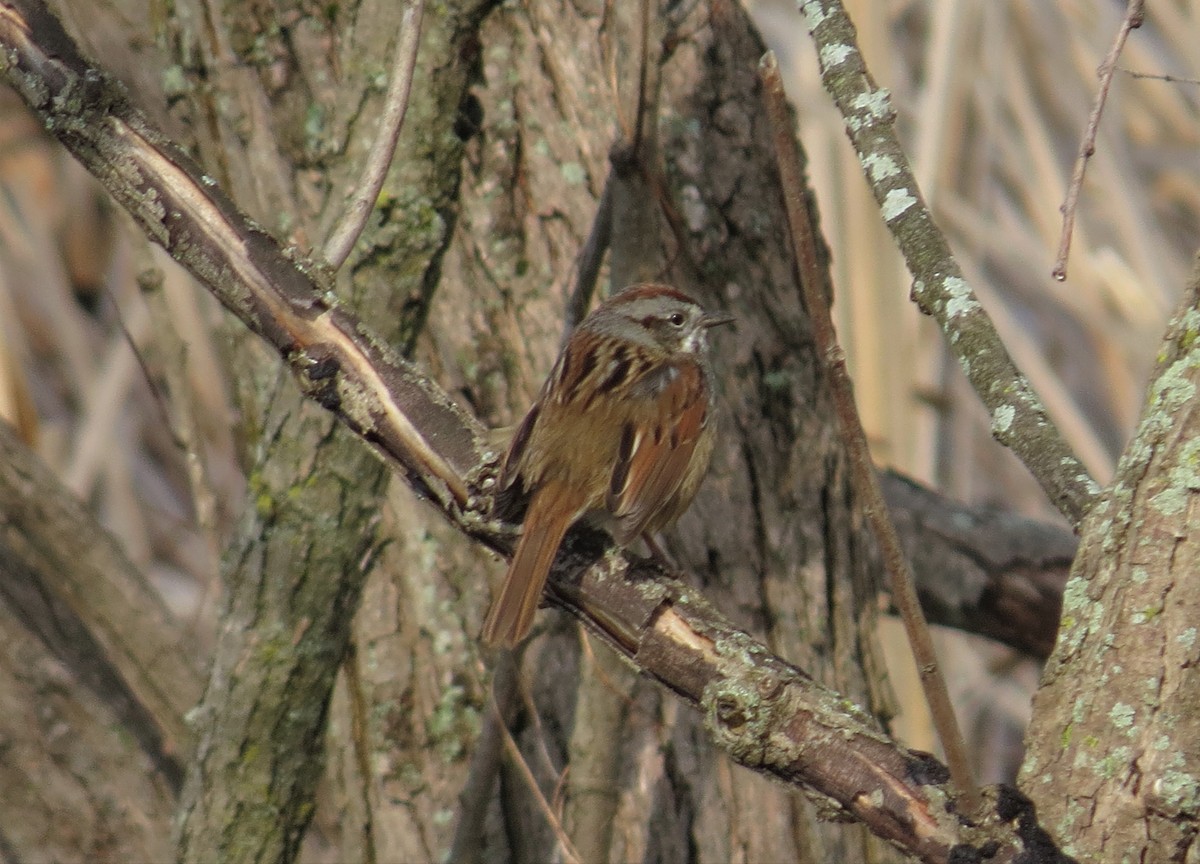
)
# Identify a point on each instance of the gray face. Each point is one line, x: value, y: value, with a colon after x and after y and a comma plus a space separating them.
x: 663, y: 323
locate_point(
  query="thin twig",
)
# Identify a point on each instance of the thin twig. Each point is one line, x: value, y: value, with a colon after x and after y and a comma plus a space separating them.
x: 590, y: 259
x: 862, y: 471
x: 1019, y: 419
x: 643, y: 76
x: 103, y: 408
x: 634, y: 242
x: 476, y: 794
x: 362, y: 202
x: 1134, y: 15
x: 360, y: 744
x: 1152, y: 76
x: 546, y: 762
x: 518, y: 761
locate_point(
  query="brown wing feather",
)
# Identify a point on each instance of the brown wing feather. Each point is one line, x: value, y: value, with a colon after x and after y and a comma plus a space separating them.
x: 516, y: 449
x: 651, y: 468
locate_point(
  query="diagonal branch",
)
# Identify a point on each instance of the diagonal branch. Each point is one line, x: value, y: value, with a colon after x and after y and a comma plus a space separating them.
x: 282, y: 299
x: 1019, y: 419
x: 765, y: 713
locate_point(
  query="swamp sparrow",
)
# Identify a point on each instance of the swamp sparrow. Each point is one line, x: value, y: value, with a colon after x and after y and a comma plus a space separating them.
x: 621, y: 434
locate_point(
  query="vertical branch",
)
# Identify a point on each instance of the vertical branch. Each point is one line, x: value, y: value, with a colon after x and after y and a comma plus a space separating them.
x: 362, y: 202
x: 862, y: 471
x: 635, y: 252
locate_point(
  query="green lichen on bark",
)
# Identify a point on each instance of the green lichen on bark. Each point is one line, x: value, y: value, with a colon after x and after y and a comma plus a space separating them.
x: 1123, y: 671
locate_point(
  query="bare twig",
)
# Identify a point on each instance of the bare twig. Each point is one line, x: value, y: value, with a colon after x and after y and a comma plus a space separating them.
x: 644, y: 103
x: 466, y: 847
x: 362, y: 202
x: 1019, y: 419
x: 862, y: 471
x: 1134, y: 15
x: 176, y: 404
x: 518, y: 762
x: 540, y: 737
x: 635, y: 250
x: 360, y: 744
x: 104, y: 406
x: 1151, y: 76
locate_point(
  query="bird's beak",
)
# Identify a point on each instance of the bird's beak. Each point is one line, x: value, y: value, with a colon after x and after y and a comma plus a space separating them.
x: 715, y: 319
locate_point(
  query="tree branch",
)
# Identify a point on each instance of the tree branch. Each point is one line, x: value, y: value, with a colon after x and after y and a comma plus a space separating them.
x: 1129, y: 626
x: 1134, y: 13
x: 1019, y: 419
x: 983, y: 570
x: 362, y: 202
x: 73, y: 585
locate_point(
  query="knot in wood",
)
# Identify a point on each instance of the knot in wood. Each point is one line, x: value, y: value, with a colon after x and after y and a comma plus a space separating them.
x: 730, y: 713
x: 739, y: 711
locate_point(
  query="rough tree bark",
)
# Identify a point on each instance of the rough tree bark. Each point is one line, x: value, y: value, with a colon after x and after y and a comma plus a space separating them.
x: 1114, y: 747
x: 296, y: 583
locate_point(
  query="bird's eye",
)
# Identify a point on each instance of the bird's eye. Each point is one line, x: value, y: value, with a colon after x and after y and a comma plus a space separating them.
x: 676, y: 319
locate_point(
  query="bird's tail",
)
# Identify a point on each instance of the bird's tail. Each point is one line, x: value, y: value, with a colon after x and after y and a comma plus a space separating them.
x: 551, y: 512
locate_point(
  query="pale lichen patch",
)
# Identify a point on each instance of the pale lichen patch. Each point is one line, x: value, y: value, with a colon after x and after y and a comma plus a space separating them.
x: 875, y: 104
x: 1122, y: 715
x: 1115, y: 763
x: 1002, y: 419
x: 880, y: 167
x: 835, y: 55
x: 959, y: 298
x: 896, y: 203
x: 1178, y: 790
x: 814, y: 14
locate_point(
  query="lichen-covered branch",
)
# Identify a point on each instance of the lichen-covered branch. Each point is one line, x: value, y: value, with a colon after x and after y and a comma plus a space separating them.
x: 773, y: 718
x: 1019, y: 419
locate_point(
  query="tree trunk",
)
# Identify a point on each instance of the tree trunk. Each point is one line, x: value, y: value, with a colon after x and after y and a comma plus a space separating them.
x: 1114, y: 746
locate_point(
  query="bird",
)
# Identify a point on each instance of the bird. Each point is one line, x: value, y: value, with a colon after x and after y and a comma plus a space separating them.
x: 620, y: 435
